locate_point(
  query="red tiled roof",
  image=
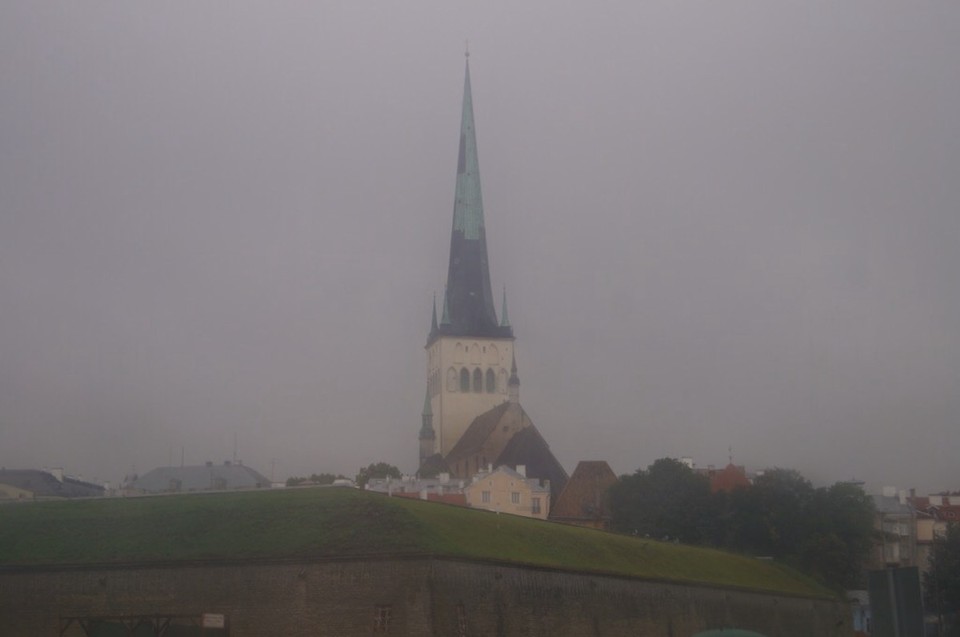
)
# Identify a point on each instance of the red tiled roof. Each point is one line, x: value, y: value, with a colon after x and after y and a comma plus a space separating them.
x: 729, y: 478
x: 583, y: 497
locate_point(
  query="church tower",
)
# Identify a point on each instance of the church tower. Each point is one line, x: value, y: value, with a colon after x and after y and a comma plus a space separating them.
x: 469, y: 351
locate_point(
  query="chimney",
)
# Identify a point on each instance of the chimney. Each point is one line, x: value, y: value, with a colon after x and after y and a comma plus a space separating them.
x: 522, y: 470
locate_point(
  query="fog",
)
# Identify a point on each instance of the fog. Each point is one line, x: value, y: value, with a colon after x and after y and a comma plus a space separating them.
x: 720, y: 226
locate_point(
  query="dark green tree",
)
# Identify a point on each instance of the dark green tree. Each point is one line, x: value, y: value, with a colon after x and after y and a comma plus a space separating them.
x: 941, y: 582
x: 770, y: 518
x: 825, y: 532
x: 378, y: 470
x: 667, y: 501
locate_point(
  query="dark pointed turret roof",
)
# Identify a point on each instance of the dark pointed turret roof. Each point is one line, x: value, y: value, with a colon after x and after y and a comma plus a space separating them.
x: 468, y: 299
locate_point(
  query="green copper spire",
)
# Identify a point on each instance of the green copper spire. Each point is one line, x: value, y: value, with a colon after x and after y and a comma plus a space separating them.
x: 433, y: 320
x: 504, y: 318
x: 468, y: 209
x: 468, y: 306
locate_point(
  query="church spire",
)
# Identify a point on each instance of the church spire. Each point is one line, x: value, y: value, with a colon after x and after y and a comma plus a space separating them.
x: 433, y: 320
x: 468, y: 306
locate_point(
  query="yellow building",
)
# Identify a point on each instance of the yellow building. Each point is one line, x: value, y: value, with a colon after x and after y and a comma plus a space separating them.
x: 507, y: 491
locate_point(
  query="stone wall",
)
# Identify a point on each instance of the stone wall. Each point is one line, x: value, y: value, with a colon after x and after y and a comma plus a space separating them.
x: 416, y: 596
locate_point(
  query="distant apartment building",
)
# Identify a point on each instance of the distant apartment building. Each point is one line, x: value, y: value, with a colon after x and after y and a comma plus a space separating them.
x: 895, y: 521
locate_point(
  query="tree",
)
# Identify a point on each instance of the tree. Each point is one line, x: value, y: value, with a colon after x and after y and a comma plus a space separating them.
x: 665, y: 501
x: 825, y: 532
x: 378, y: 470
x: 770, y: 518
x: 941, y: 582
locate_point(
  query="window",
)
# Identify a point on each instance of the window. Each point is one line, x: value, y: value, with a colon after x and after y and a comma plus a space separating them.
x: 477, y: 380
x: 515, y: 497
x: 485, y: 497
x: 491, y: 381
x: 464, y: 379
x: 535, y: 505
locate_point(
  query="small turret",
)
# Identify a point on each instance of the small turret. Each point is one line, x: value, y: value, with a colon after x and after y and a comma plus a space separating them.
x: 427, y: 435
x: 513, y: 385
x: 504, y: 319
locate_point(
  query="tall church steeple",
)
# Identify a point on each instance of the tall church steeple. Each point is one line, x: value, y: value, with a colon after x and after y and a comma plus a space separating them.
x: 468, y: 349
x: 469, y: 305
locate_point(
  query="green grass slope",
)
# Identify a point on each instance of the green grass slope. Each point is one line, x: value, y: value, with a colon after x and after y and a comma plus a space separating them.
x: 344, y: 523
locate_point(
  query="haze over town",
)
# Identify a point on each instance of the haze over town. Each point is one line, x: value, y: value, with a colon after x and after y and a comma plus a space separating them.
x: 727, y: 225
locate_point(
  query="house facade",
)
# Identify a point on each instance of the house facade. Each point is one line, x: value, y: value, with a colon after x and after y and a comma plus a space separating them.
x: 505, y: 490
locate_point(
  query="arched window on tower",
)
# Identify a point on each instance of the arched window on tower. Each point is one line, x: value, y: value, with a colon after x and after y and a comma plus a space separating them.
x: 491, y: 381
x: 477, y: 380
x: 451, y: 379
x: 464, y: 379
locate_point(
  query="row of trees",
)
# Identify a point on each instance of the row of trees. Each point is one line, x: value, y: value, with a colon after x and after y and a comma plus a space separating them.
x: 373, y: 470
x: 825, y: 531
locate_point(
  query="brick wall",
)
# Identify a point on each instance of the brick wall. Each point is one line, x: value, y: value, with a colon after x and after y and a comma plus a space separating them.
x: 416, y: 596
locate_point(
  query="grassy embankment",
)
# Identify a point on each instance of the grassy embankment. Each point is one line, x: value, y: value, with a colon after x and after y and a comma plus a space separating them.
x: 343, y: 523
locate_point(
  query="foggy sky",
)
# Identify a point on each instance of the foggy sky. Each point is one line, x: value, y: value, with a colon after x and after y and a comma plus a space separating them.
x: 719, y: 225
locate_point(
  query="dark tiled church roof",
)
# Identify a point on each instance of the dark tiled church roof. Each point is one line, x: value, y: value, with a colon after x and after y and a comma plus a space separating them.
x: 477, y: 433
x: 527, y: 447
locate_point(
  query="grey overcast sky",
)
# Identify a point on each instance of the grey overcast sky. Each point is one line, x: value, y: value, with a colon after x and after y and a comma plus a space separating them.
x: 720, y: 224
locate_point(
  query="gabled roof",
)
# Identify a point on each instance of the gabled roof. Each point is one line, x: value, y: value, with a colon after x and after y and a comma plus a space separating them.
x: 210, y: 477
x: 531, y: 481
x: 584, y: 496
x: 527, y: 447
x: 478, y: 432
